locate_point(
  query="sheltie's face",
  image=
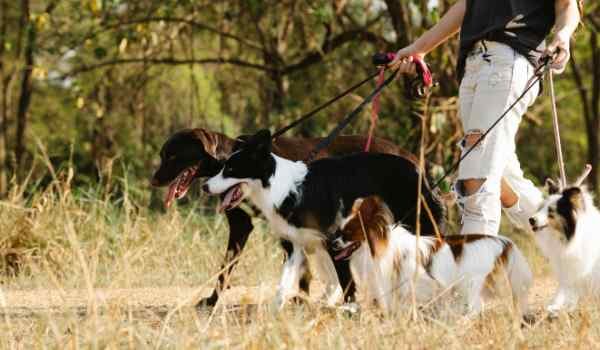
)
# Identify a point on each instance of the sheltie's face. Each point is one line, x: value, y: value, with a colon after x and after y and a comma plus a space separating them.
x: 369, y: 221
x: 559, y: 213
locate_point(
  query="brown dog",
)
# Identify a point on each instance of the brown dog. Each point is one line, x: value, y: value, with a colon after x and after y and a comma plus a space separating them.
x: 198, y: 153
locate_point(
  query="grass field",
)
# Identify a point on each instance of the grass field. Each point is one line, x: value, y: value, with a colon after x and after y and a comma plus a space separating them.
x: 102, y: 272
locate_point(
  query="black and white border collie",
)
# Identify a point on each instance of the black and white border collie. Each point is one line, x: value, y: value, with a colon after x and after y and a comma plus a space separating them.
x: 390, y: 257
x: 567, y: 231
x: 305, y: 204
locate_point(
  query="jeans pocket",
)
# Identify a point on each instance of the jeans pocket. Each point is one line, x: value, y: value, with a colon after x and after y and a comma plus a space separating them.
x: 500, y: 76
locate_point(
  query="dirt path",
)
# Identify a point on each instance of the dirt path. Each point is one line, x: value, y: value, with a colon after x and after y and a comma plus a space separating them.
x: 31, y: 302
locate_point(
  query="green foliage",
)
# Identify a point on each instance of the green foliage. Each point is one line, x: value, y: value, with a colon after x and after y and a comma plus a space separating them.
x: 113, y: 78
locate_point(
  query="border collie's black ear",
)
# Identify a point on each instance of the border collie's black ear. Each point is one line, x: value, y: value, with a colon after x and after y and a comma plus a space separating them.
x: 552, y: 187
x: 263, y: 134
x: 262, y: 140
x: 240, y: 142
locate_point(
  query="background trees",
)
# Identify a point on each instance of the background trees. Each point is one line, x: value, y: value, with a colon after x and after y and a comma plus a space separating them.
x: 102, y: 83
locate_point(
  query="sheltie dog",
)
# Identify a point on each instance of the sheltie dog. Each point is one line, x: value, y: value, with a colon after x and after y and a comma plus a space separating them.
x: 567, y: 231
x: 387, y: 260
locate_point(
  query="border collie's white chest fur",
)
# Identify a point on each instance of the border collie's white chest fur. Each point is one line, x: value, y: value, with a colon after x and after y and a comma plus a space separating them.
x: 286, y: 181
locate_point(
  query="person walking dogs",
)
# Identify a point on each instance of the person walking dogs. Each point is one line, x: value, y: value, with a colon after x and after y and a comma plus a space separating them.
x: 501, y: 42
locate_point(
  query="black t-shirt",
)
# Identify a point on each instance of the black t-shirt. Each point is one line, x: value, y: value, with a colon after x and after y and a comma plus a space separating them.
x: 521, y: 24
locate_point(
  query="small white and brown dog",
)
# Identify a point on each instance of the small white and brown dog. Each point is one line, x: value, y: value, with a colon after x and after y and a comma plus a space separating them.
x: 384, y: 261
x: 566, y: 229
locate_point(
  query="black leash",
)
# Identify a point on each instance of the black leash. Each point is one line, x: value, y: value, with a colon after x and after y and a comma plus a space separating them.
x: 335, y: 132
x: 418, y: 87
x: 323, y: 106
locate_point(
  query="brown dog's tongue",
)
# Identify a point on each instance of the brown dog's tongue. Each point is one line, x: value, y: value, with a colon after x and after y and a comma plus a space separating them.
x: 171, y: 193
x: 226, y: 201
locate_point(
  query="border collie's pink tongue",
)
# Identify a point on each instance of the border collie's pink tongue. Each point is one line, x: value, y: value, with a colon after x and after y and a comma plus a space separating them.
x: 231, y: 198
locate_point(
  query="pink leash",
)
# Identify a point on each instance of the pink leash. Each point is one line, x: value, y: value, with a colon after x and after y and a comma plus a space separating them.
x: 425, y: 75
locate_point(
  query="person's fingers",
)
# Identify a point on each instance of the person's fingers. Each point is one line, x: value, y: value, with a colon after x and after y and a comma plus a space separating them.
x: 403, y: 65
x: 551, y: 48
x: 408, y: 67
x: 400, y: 55
x: 559, y: 63
x: 562, y: 56
x: 395, y: 64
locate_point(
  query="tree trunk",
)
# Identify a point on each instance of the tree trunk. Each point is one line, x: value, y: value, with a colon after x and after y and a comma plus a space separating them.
x: 594, y: 153
x: 26, y: 88
x: 593, y: 138
x: 3, y: 100
x: 590, y: 106
x: 400, y: 21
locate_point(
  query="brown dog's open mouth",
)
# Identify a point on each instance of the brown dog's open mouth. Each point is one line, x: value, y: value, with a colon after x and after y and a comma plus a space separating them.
x: 179, y: 187
x: 233, y: 197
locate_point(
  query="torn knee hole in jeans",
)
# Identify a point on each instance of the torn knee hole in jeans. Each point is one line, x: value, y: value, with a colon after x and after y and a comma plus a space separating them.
x: 508, y: 197
x: 471, y: 138
x: 473, y: 198
x: 469, y: 187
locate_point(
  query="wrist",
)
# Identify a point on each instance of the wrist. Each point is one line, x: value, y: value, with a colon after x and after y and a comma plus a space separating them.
x: 419, y: 48
x: 563, y: 35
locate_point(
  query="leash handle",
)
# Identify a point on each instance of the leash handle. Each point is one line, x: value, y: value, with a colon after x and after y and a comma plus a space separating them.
x: 419, y: 87
x: 424, y: 81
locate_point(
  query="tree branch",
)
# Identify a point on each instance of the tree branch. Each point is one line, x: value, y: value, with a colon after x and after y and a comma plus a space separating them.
x: 316, y: 56
x: 176, y: 20
x: 165, y: 61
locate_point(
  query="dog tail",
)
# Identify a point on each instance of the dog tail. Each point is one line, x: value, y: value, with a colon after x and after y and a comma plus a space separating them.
x: 520, y: 278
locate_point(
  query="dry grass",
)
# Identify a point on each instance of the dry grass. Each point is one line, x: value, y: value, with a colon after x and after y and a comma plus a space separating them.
x: 82, y: 271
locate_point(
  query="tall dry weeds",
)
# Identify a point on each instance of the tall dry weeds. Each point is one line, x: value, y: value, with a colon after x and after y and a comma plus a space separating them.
x: 105, y: 271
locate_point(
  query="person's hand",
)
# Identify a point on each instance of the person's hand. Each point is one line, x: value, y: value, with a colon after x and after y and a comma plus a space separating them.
x: 559, y: 49
x: 404, y: 60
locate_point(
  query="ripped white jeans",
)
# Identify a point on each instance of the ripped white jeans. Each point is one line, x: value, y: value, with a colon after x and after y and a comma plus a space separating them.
x: 495, y: 76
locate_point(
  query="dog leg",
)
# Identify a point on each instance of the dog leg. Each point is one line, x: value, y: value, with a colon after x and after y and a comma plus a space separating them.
x: 326, y: 270
x: 344, y: 274
x: 293, y: 270
x: 306, y: 276
x: 473, y: 288
x: 240, y: 227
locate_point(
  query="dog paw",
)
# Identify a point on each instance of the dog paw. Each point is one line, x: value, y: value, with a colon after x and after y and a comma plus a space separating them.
x: 282, y: 298
x: 350, y: 308
x: 554, y: 311
x: 335, y: 297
